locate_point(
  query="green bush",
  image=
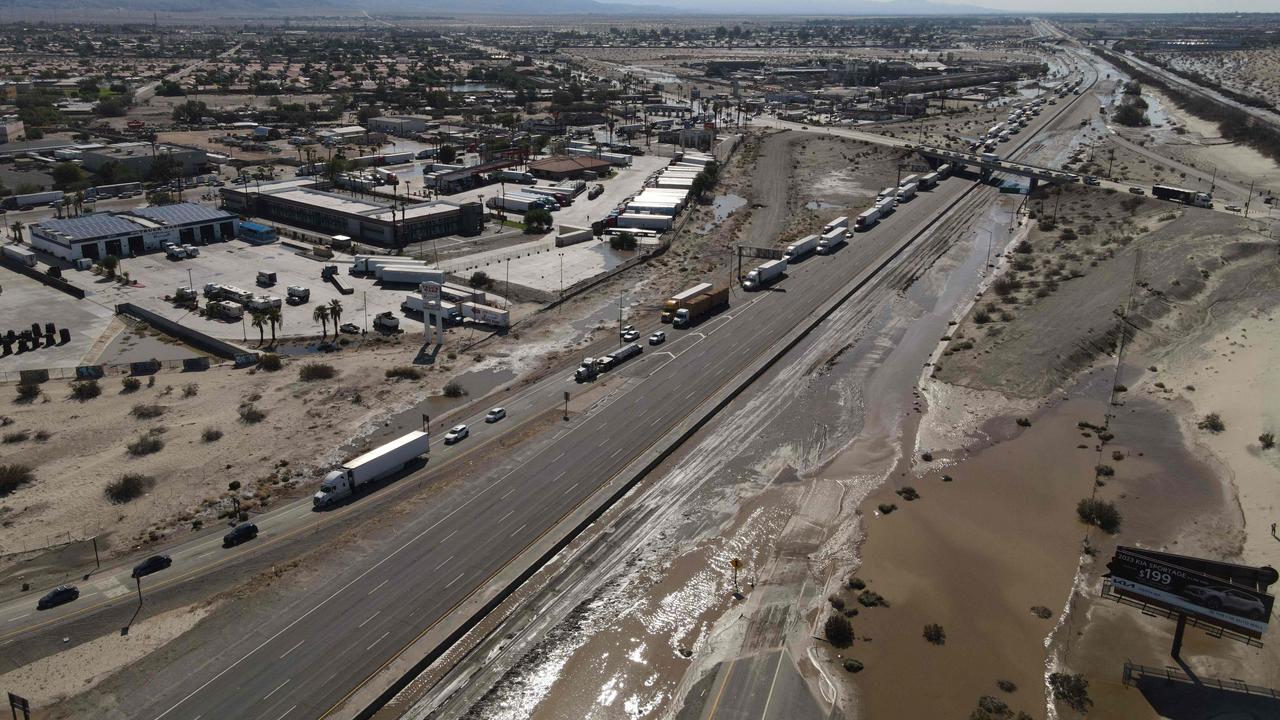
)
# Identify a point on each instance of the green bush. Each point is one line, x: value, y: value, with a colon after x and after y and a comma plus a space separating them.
x: 1213, y: 423
x: 130, y: 383
x: 1267, y: 440
x: 316, y: 371
x: 128, y: 487
x: 852, y: 665
x: 453, y: 390
x: 871, y: 598
x: 404, y: 372
x: 838, y: 631
x: 270, y: 362
x: 211, y: 434
x: 28, y: 391
x: 250, y: 414
x: 934, y: 633
x: 85, y: 390
x: 1100, y: 514
x: 11, y: 476
x: 855, y: 583
x: 886, y: 508
x: 1072, y: 690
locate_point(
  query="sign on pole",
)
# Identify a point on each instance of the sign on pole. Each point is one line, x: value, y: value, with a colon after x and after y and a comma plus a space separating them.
x: 17, y: 703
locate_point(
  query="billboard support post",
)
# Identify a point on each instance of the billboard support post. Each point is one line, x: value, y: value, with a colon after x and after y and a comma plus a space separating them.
x: 1181, y: 627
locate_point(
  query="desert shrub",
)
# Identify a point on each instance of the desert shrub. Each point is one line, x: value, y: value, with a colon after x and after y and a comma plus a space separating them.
x: 190, y: 390
x: 836, y: 601
x: 28, y: 391
x: 211, y: 434
x: 144, y: 411
x: 1041, y: 612
x: 993, y: 707
x: 1071, y: 689
x: 404, y: 372
x: 234, y: 485
x: 852, y: 666
x: 838, y: 630
x: 1100, y: 514
x: 1007, y: 685
x: 981, y: 317
x: 17, y: 437
x: 11, y: 476
x: 1267, y: 440
x: 907, y: 493
x: 316, y: 371
x: 130, y: 383
x: 146, y: 445
x: 871, y: 598
x: 855, y: 583
x: 926, y: 456
x: 1213, y: 423
x: 270, y: 362
x: 1104, y: 470
x: 453, y: 390
x: 85, y: 390
x: 128, y: 487
x: 934, y: 633
x: 886, y: 508
x: 42, y: 435
x: 1023, y: 422
x: 250, y: 414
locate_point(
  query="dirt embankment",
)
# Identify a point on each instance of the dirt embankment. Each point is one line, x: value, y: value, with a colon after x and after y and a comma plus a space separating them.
x: 984, y: 540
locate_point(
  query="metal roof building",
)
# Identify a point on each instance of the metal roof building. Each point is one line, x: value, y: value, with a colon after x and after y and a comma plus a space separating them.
x: 134, y: 232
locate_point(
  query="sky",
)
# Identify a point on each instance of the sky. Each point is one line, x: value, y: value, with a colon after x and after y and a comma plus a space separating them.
x: 1014, y: 6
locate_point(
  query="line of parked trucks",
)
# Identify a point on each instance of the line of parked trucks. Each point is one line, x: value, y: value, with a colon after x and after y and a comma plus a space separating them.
x: 548, y: 197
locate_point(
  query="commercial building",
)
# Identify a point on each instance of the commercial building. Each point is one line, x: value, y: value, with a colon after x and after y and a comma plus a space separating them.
x: 303, y: 204
x: 569, y: 168
x: 137, y: 159
x: 11, y: 128
x: 401, y: 125
x: 134, y: 232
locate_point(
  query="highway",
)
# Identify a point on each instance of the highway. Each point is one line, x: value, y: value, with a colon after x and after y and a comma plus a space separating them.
x: 301, y: 661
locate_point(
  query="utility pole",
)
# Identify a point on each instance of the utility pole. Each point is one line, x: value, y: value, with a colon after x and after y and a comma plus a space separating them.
x: 1248, y: 199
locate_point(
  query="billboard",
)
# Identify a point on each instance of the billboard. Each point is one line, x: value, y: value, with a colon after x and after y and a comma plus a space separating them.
x: 1214, y: 593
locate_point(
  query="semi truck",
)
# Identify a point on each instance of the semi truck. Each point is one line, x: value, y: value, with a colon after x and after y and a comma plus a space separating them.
x: 801, y: 248
x: 485, y: 314
x: 832, y: 240
x: 31, y: 200
x: 763, y: 275
x: 20, y: 255
x: 886, y: 207
x: 700, y: 306
x: 840, y: 222
x: 651, y: 208
x: 867, y: 219
x: 673, y: 303
x: 907, y: 191
x: 513, y: 202
x: 297, y: 295
x: 413, y: 305
x: 591, y: 368
x: 1182, y: 195
x: 928, y: 181
x: 374, y: 465
x: 643, y: 220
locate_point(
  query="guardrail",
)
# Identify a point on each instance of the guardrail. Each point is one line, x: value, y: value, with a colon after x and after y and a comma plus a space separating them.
x: 1135, y: 673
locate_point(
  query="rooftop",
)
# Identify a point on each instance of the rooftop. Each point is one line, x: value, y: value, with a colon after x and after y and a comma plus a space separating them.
x: 89, y: 226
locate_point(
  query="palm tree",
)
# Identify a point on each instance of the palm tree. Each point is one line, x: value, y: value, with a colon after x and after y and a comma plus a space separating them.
x: 335, y: 312
x: 321, y: 315
x: 275, y: 318
x: 259, y: 322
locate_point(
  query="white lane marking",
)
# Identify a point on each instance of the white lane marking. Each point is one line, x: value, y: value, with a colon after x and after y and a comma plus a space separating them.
x: 451, y: 582
x: 375, y: 642
x: 556, y: 478
x: 558, y: 457
x: 295, y: 647
x: 366, y: 622
x: 517, y: 530
x: 17, y: 618
x: 203, y: 555
x: 379, y: 587
x: 616, y: 453
x: 504, y: 517
x: 286, y: 712
x: 446, y: 561
x: 571, y: 487
x: 273, y: 692
x: 505, y: 494
x: 656, y: 421
x: 446, y: 537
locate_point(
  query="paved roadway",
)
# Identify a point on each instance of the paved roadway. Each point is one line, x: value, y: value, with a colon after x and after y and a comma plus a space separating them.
x: 301, y: 662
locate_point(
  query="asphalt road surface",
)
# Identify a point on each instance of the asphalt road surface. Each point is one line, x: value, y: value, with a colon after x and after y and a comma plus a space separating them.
x: 301, y: 662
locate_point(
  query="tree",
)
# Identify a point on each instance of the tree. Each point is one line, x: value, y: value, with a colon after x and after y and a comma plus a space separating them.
x: 110, y: 263
x: 1072, y: 690
x: 447, y: 154
x: 537, y: 218
x: 838, y: 631
x: 275, y: 318
x: 259, y: 323
x: 190, y: 112
x: 480, y: 280
x: 66, y: 174
x: 321, y: 315
x: 335, y: 312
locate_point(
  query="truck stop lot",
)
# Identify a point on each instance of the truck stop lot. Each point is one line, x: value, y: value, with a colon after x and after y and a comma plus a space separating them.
x: 25, y: 301
x: 237, y: 263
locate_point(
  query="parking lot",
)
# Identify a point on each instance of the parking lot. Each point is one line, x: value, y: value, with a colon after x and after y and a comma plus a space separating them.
x: 25, y: 301
x: 237, y: 263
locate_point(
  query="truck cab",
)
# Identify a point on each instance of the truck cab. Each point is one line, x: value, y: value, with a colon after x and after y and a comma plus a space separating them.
x: 336, y: 486
x: 587, y: 371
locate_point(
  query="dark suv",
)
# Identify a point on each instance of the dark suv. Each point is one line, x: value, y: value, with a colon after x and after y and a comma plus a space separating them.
x: 243, y: 532
x: 60, y: 595
x: 155, y: 563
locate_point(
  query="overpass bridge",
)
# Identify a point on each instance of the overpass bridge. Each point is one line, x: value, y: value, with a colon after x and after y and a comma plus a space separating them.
x: 988, y: 164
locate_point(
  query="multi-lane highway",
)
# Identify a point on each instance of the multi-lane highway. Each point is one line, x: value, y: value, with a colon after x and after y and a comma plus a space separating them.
x: 301, y: 661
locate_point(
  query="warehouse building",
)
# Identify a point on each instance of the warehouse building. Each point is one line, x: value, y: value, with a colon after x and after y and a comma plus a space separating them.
x: 131, y: 233
x: 401, y: 125
x: 569, y: 168
x: 302, y: 204
x: 138, y: 158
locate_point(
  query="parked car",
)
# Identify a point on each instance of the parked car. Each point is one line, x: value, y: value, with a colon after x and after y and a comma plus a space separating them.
x: 244, y: 532
x: 1091, y: 180
x: 456, y: 433
x: 60, y: 595
x: 657, y: 338
x: 350, y: 328
x: 1233, y: 208
x: 495, y: 414
x: 153, y: 564
x: 595, y: 192
x: 1137, y: 191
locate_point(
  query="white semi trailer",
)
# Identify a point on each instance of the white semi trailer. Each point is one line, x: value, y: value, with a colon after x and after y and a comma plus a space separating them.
x: 374, y: 465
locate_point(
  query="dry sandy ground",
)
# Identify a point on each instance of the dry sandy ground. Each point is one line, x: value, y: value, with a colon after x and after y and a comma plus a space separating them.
x: 994, y: 532
x: 1255, y: 71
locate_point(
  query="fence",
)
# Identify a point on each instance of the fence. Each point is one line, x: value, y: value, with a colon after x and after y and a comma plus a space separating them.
x: 192, y: 337
x: 88, y: 372
x: 1135, y: 674
x: 34, y: 274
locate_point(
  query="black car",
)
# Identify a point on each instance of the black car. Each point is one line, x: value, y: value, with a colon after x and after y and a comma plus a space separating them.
x: 153, y: 564
x: 60, y: 595
x: 243, y: 532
